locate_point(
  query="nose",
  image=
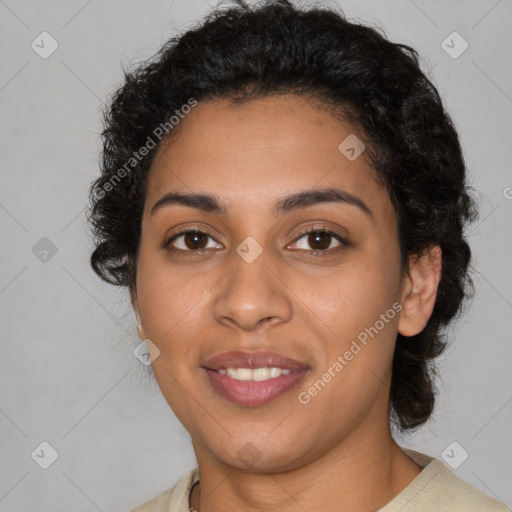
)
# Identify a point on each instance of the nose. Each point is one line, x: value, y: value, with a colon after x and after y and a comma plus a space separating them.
x: 252, y: 294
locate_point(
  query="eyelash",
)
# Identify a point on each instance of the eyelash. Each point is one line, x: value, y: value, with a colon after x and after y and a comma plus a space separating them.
x: 343, y: 243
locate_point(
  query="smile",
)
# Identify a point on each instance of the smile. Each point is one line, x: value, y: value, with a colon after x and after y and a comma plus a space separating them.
x: 253, y: 387
x: 258, y: 374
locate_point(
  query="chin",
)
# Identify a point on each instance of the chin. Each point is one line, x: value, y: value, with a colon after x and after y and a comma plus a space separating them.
x: 261, y: 455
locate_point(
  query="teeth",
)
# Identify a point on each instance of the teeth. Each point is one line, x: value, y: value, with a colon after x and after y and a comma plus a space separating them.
x: 258, y: 374
x: 275, y: 372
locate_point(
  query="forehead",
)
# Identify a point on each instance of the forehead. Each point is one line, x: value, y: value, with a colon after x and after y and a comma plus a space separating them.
x: 254, y: 153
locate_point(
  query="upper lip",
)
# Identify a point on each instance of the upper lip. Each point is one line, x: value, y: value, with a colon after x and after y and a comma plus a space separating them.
x: 239, y: 359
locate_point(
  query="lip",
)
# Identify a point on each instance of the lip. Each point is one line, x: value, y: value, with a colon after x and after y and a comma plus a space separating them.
x: 253, y: 393
x: 240, y: 359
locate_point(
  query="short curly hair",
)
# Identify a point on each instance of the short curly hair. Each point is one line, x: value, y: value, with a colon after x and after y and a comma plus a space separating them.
x: 245, y: 52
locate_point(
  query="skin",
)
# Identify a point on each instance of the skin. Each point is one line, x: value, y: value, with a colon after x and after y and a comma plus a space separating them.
x: 336, y: 452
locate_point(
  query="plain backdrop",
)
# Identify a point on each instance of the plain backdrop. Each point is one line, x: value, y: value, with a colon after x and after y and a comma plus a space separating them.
x: 68, y: 374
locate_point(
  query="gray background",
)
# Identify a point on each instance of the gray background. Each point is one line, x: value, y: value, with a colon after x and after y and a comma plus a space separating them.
x: 68, y: 374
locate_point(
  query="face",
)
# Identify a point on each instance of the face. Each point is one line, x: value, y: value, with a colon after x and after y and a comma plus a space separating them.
x: 250, y: 280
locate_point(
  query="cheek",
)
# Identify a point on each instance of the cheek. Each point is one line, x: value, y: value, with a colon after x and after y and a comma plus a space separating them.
x: 354, y: 318
x: 173, y: 310
x: 349, y: 299
x: 170, y: 300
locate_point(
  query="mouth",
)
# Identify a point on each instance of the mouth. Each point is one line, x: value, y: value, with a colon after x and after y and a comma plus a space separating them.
x: 253, y: 379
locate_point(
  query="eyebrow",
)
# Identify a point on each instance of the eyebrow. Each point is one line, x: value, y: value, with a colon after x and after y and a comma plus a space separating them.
x: 299, y: 200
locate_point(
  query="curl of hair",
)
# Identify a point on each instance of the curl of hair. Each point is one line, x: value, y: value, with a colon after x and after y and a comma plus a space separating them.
x: 246, y: 52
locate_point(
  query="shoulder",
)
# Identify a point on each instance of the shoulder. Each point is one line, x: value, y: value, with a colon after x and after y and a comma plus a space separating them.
x: 174, y: 499
x: 438, y: 489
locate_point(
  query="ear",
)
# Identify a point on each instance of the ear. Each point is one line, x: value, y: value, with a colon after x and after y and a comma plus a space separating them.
x: 419, y: 291
x: 135, y: 305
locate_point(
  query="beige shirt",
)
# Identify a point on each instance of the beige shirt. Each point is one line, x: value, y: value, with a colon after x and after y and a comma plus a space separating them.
x: 435, y: 489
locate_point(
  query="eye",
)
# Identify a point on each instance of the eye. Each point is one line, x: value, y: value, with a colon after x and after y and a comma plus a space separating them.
x: 320, y: 240
x: 192, y: 240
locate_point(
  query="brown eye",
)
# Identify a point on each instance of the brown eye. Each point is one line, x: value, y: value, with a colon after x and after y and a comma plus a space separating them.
x: 195, y: 240
x: 320, y: 240
x: 189, y: 241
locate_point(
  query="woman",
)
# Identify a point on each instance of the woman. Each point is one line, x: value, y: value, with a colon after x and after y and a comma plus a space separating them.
x: 285, y: 197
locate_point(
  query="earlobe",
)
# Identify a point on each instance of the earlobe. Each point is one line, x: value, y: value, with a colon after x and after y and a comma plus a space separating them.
x: 420, y: 291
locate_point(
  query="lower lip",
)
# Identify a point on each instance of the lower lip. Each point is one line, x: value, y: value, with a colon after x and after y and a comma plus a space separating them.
x: 253, y: 393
